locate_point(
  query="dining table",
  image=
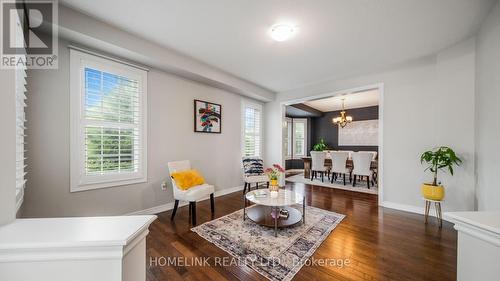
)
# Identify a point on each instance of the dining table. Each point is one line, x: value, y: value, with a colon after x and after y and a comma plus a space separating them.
x: 328, y: 163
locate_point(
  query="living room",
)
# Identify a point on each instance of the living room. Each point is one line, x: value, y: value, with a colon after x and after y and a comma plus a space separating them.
x: 151, y: 142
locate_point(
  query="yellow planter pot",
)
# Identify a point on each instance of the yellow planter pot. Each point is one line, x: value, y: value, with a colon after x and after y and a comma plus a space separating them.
x: 274, y: 182
x: 433, y: 192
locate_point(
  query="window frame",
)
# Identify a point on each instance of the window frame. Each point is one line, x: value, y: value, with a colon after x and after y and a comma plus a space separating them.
x: 79, y: 181
x: 291, y: 137
x: 250, y: 104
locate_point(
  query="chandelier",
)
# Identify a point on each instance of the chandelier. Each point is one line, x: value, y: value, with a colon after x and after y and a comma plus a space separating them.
x: 343, y: 119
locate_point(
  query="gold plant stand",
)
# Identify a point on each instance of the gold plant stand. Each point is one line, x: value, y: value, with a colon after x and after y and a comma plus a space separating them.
x: 437, y: 207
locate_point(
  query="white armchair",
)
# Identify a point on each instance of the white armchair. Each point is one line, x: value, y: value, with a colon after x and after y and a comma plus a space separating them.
x: 339, y: 164
x: 362, y: 166
x: 191, y: 195
x: 253, y: 172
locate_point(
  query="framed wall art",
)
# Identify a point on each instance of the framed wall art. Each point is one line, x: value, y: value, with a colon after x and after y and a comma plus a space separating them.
x: 207, y: 117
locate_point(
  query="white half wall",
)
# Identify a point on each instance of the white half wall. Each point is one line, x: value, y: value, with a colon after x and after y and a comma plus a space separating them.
x: 427, y: 103
x: 171, y: 137
x: 488, y: 113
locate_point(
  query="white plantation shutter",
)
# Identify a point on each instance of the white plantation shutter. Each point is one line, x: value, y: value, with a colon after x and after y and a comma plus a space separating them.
x: 111, y: 115
x: 252, y: 130
x: 20, y: 92
x: 295, y: 142
x: 287, y: 142
x: 20, y: 134
x: 111, y: 123
x: 299, y: 137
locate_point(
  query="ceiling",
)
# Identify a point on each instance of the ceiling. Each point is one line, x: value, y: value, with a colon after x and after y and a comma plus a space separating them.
x: 354, y: 100
x: 335, y: 38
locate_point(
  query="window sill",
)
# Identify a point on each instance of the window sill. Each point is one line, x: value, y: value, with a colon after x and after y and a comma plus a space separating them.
x: 92, y: 186
x: 295, y: 157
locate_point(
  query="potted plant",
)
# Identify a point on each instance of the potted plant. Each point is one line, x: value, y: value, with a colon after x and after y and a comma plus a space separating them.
x: 320, y: 146
x: 444, y: 159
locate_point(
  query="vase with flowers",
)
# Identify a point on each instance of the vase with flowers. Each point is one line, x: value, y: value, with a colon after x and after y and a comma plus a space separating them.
x: 274, y: 174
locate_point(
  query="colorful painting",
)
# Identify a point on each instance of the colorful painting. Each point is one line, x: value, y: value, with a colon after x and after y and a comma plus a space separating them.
x: 207, y: 117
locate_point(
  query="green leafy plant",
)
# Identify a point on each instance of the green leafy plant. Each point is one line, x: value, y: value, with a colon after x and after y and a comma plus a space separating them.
x: 442, y: 158
x: 320, y: 146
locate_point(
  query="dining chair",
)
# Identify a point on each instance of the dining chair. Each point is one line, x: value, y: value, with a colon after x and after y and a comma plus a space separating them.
x: 362, y: 166
x: 328, y: 165
x: 339, y: 165
x: 350, y: 152
x: 375, y: 170
x: 373, y: 153
x: 191, y: 195
x: 318, y: 164
x: 253, y: 172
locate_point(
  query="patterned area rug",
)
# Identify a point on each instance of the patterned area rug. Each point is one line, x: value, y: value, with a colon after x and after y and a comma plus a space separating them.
x: 339, y: 184
x: 276, y: 258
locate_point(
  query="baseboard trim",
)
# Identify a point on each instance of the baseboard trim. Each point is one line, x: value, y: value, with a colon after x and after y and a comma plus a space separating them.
x: 169, y: 206
x: 409, y: 208
x: 228, y: 190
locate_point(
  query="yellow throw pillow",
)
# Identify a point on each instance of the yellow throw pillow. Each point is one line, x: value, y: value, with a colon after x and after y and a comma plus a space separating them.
x: 187, y: 179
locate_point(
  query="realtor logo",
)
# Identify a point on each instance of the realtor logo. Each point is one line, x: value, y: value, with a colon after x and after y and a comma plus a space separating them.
x: 29, y: 34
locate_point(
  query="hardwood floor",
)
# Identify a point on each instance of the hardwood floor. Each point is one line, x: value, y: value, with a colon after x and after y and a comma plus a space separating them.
x: 380, y: 243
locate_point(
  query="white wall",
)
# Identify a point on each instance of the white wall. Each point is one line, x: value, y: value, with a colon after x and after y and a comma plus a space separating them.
x: 427, y: 103
x: 488, y: 113
x: 170, y: 138
x: 273, y: 132
x: 7, y: 147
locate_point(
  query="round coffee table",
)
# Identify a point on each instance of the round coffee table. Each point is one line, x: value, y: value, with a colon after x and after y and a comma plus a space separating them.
x: 267, y: 209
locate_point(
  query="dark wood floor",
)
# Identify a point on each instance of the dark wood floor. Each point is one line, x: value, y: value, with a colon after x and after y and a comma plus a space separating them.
x: 381, y: 244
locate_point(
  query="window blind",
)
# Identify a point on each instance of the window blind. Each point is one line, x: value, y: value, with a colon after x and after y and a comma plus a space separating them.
x: 287, y: 142
x: 20, y: 92
x: 299, y: 138
x: 111, y: 124
x: 252, y: 115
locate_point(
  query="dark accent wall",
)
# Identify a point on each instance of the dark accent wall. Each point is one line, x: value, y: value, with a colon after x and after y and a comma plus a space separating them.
x: 322, y: 127
x: 294, y: 164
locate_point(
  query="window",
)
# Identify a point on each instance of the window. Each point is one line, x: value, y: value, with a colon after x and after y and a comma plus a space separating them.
x: 251, y: 129
x: 108, y: 122
x: 296, y: 139
x: 288, y: 137
x: 299, y: 137
x: 20, y: 90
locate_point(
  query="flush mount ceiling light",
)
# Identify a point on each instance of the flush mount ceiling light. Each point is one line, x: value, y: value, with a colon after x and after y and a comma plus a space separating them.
x: 281, y: 31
